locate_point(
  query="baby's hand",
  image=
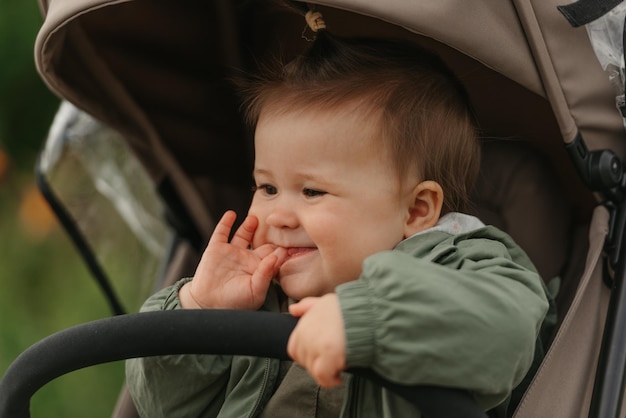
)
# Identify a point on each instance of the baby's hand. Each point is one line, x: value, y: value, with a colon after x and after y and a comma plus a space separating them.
x: 318, y: 342
x: 230, y: 275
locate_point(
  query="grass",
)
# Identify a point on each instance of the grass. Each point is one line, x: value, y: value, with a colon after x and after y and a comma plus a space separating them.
x: 44, y: 288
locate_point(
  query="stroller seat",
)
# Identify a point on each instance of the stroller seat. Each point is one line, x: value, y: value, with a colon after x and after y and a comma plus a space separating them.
x: 518, y: 191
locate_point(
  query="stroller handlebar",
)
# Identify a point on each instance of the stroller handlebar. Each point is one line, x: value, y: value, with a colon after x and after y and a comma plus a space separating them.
x: 261, y: 334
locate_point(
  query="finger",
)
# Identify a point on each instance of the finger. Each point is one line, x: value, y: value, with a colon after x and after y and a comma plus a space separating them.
x: 245, y: 233
x: 281, y: 255
x: 292, y: 346
x: 264, y: 250
x: 326, y: 372
x: 300, y: 308
x: 262, y: 277
x: 328, y: 380
x: 223, y: 227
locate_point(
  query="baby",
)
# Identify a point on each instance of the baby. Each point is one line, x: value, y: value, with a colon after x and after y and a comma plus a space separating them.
x: 365, y: 154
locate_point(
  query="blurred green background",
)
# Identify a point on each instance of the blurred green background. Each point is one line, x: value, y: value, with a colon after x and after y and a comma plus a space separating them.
x: 44, y: 286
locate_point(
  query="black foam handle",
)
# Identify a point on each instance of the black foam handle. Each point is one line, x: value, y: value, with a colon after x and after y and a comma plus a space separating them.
x: 261, y: 334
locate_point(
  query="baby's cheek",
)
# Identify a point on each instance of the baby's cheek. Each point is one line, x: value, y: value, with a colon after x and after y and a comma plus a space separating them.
x: 259, y: 239
x: 349, y: 270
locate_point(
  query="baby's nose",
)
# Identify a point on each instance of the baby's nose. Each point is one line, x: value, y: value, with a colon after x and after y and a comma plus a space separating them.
x: 283, y: 216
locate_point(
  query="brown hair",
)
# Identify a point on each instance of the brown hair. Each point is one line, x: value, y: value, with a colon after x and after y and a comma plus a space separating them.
x: 426, y: 125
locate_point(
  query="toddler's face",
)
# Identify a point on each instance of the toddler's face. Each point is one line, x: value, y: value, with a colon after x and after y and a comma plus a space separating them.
x: 326, y: 193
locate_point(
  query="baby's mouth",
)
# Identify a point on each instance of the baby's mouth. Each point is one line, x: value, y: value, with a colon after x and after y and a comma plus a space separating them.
x: 293, y: 252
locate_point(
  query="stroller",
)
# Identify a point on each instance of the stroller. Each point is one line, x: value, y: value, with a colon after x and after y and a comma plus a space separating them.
x: 151, y: 121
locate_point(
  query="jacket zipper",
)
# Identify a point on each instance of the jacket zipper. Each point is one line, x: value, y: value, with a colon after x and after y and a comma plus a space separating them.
x: 352, y: 404
x: 255, y: 411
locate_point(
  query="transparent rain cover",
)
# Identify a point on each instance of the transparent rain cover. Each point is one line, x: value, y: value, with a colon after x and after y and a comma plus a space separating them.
x: 606, y: 34
x: 111, y: 199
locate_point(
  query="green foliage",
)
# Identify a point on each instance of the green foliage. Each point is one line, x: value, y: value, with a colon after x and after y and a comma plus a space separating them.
x: 26, y: 105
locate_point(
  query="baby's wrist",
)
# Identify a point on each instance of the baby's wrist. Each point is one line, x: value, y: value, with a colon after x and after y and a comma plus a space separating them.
x: 186, y: 298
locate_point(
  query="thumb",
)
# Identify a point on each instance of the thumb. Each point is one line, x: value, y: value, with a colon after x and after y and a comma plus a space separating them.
x: 300, y: 308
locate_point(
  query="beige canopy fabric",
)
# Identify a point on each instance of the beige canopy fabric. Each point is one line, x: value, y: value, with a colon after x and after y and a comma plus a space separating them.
x: 527, y: 41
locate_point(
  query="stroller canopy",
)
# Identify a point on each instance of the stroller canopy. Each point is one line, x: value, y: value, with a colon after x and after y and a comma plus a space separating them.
x: 155, y: 70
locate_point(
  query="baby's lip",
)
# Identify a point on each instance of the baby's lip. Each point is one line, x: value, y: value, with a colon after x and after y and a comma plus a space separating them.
x: 292, y: 251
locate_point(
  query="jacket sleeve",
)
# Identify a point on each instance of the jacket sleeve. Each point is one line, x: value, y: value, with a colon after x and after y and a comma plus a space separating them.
x: 470, y: 323
x: 181, y: 385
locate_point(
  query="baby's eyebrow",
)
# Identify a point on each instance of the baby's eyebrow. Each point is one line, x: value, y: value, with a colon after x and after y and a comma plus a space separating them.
x: 318, y: 178
x: 302, y: 176
x: 260, y: 171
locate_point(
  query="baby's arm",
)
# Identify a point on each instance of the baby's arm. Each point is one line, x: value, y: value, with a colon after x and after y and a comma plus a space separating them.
x: 177, y: 385
x: 417, y: 322
x: 230, y: 275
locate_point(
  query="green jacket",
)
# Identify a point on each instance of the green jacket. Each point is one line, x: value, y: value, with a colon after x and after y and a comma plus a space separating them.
x: 458, y: 310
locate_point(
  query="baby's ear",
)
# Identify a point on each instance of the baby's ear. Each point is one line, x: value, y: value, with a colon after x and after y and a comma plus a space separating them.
x: 424, y: 208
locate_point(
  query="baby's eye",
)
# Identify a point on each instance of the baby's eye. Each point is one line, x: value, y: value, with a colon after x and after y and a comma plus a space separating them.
x: 312, y: 192
x: 268, y: 189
